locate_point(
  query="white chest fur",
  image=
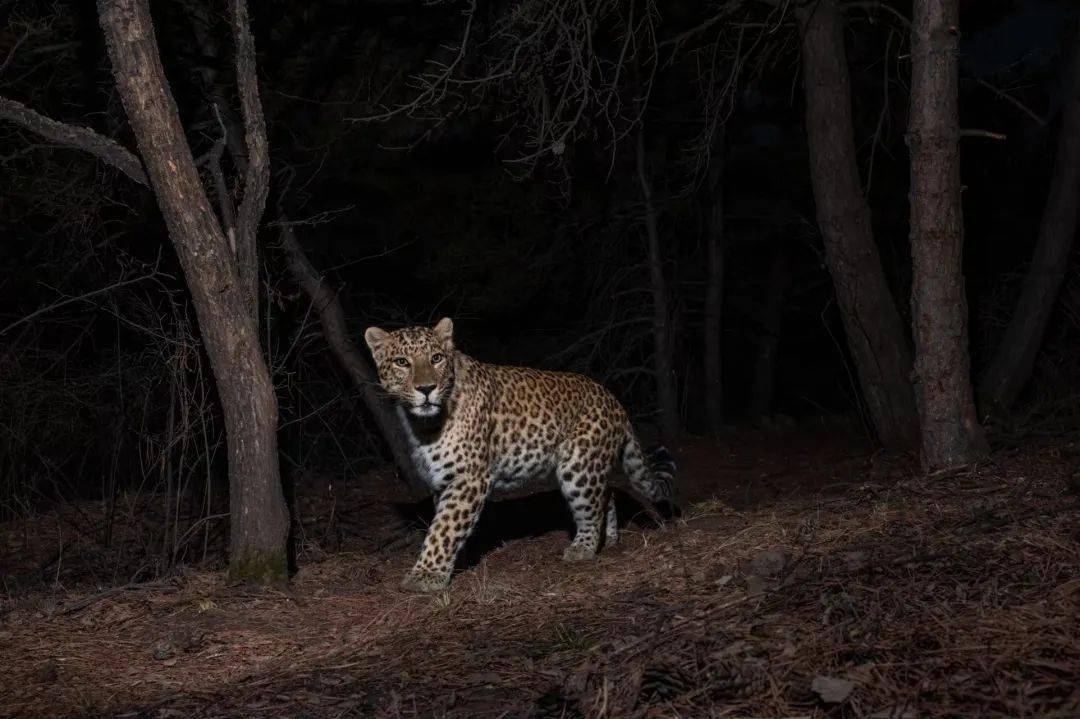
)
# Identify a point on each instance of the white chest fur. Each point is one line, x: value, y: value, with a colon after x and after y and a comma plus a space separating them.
x: 434, y: 462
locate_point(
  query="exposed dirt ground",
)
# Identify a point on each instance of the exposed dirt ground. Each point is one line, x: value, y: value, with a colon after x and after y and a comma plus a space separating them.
x: 807, y: 578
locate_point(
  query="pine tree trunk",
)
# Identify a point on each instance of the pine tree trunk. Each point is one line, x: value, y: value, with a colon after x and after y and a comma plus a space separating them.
x: 875, y: 333
x: 664, y: 365
x: 258, y: 518
x: 951, y: 434
x: 1014, y: 359
x: 714, y: 288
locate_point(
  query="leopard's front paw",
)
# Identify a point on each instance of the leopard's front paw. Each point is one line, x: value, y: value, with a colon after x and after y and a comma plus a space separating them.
x: 578, y: 553
x: 420, y: 580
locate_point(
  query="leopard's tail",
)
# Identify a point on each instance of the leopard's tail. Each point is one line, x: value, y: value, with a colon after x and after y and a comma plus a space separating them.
x: 652, y: 473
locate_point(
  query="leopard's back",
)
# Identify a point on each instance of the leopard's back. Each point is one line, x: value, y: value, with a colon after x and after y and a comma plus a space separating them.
x: 537, y: 418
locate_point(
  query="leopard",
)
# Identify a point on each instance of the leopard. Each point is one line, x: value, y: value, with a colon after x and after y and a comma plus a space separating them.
x: 478, y: 431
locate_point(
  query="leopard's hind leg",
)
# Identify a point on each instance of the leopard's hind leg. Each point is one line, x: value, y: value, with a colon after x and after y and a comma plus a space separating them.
x: 585, y: 495
x: 582, y: 473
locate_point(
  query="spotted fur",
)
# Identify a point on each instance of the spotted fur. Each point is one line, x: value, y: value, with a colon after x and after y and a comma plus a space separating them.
x: 478, y: 429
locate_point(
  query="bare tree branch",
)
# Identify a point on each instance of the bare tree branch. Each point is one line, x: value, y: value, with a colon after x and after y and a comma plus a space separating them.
x: 562, y: 66
x: 79, y: 298
x: 78, y: 138
x: 988, y: 134
x: 878, y: 5
x: 1013, y: 101
x: 213, y: 162
x: 336, y: 333
x: 257, y: 173
x: 725, y: 11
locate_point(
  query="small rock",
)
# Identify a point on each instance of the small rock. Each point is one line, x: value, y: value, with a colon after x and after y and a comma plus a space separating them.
x: 832, y: 690
x: 163, y: 649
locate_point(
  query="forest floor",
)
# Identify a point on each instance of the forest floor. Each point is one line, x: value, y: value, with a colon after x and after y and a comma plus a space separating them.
x: 808, y: 577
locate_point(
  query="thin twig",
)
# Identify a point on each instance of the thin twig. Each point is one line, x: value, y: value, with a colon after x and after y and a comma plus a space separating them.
x: 79, y: 298
x: 1012, y: 101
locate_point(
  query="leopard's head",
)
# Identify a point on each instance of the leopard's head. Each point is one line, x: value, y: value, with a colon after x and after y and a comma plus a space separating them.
x: 416, y: 365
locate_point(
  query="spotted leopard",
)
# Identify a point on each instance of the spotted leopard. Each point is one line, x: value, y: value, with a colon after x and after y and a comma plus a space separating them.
x: 478, y: 430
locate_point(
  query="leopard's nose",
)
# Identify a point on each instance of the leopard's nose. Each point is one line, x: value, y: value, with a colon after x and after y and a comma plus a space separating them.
x: 425, y: 389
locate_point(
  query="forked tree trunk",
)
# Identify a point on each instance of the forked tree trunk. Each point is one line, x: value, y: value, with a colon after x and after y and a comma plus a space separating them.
x: 951, y: 434
x: 258, y: 518
x: 1012, y: 363
x: 714, y: 287
x: 322, y: 296
x: 664, y: 366
x: 875, y: 333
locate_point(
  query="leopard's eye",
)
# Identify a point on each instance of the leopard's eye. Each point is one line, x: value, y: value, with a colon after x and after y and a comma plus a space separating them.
x: 437, y: 358
x: 401, y: 362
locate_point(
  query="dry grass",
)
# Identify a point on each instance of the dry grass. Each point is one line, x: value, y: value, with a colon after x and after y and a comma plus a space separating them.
x: 875, y: 594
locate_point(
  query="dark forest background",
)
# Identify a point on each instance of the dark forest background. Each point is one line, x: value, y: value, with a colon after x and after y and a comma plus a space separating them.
x: 480, y: 198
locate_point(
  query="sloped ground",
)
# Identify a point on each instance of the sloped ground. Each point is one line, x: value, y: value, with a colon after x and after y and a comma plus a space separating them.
x: 806, y: 580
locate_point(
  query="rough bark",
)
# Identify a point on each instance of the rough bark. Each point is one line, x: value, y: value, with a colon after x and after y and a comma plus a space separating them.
x: 664, y: 366
x: 769, y: 342
x: 246, y: 141
x: 875, y: 333
x: 714, y: 288
x: 79, y: 138
x: 258, y: 518
x: 951, y: 435
x: 1013, y: 361
x: 257, y: 171
x: 352, y: 360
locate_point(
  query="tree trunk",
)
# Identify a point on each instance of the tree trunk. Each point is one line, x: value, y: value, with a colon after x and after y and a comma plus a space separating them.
x: 714, y: 288
x: 951, y: 435
x: 332, y: 319
x: 323, y: 298
x: 665, y: 373
x: 875, y: 334
x: 258, y: 518
x: 771, y: 323
x: 1014, y: 359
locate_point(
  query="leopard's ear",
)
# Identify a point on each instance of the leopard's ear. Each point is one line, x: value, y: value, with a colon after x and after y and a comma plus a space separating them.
x: 375, y: 338
x: 444, y: 331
